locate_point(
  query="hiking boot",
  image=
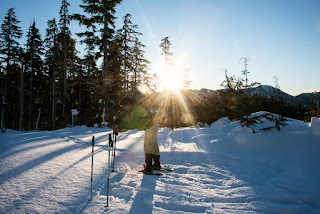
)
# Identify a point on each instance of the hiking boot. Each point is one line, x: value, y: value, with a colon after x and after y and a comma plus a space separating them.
x: 148, y: 163
x: 156, y: 165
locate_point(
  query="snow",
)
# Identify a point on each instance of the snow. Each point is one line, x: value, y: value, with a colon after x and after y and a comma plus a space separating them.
x: 315, y: 125
x: 224, y: 168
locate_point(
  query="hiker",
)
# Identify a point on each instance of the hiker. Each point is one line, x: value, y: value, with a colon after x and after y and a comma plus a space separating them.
x: 140, y: 117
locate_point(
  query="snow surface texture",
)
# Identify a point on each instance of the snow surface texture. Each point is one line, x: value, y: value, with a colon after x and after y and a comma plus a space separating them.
x: 224, y: 168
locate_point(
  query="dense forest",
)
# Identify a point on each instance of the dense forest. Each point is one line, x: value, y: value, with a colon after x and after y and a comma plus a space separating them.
x: 45, y: 84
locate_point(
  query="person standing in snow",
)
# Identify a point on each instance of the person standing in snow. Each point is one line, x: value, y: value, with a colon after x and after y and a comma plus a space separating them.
x: 140, y: 117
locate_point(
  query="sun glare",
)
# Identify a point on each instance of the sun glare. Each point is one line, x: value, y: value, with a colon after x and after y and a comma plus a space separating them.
x: 172, y: 81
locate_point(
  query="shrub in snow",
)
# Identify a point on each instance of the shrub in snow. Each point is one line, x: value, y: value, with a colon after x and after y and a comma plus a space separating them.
x: 104, y: 124
x: 315, y: 125
x: 264, y: 117
x: 202, y: 125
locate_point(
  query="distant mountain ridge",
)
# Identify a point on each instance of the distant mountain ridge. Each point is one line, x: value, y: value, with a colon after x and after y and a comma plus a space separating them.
x: 270, y: 91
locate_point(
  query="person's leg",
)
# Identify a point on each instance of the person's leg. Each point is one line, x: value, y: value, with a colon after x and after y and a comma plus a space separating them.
x: 156, y: 164
x: 151, y: 145
x: 148, y: 163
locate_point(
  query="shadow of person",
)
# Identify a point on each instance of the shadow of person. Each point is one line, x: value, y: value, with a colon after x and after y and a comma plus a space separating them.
x: 143, y: 202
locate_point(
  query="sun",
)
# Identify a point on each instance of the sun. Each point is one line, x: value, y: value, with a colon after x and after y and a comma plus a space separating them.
x: 172, y: 81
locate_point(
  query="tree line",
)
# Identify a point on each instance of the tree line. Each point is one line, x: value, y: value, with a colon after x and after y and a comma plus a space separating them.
x: 238, y: 100
x: 42, y: 80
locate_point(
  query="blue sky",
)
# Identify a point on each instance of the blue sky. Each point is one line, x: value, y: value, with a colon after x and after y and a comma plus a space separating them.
x: 281, y: 37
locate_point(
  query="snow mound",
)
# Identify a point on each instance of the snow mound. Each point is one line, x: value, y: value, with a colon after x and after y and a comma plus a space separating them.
x: 315, y: 126
x: 207, y: 137
x: 221, y: 122
x: 240, y: 130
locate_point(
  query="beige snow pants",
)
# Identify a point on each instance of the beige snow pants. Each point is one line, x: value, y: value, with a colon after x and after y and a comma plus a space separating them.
x: 151, y: 140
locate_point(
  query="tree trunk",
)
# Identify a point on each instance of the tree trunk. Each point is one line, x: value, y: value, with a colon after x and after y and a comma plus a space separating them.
x: 64, y: 73
x: 3, y: 107
x: 38, y: 120
x: 105, y: 75
x: 31, y: 98
x: 21, y: 98
x: 53, y: 96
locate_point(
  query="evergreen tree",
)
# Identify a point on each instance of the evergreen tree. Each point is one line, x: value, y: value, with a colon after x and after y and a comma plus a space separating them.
x: 313, y: 110
x: 36, y: 83
x: 64, y: 22
x: 245, y: 99
x: 50, y: 63
x: 21, y: 95
x: 89, y: 83
x: 128, y: 33
x: 101, y: 19
x: 186, y: 79
x: 117, y: 86
x: 140, y: 65
x: 10, y: 51
x: 165, y: 46
x: 10, y: 33
x: 155, y: 82
x: 169, y: 102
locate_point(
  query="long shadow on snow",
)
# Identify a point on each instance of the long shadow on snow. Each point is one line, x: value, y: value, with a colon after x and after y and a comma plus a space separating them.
x: 144, y: 198
x: 38, y: 161
x: 83, y: 196
x: 15, y: 151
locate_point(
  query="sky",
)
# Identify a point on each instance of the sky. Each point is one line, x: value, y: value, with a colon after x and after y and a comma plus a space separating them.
x: 280, y: 37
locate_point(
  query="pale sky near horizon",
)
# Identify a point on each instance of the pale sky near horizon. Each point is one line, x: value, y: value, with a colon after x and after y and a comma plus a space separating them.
x: 281, y: 37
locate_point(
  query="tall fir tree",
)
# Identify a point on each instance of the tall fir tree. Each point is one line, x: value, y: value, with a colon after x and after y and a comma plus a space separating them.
x: 140, y: 65
x: 89, y: 82
x: 186, y: 79
x: 36, y: 77
x: 165, y: 46
x: 101, y: 19
x: 64, y: 22
x: 128, y: 33
x: 10, y: 52
x: 50, y: 63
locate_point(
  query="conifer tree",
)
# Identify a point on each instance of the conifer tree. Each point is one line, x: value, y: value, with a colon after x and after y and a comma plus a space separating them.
x: 313, y: 110
x: 51, y: 59
x: 101, y: 19
x: 89, y: 82
x: 10, y: 51
x: 165, y: 46
x: 140, y: 64
x: 10, y: 33
x: 64, y: 22
x: 155, y: 81
x: 186, y: 79
x: 128, y: 34
x: 35, y: 74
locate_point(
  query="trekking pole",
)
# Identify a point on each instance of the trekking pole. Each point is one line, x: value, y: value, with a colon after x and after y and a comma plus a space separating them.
x: 114, y: 149
x: 110, y: 145
x: 92, y: 166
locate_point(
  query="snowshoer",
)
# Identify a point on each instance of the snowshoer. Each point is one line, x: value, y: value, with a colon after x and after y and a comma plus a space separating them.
x: 140, y: 117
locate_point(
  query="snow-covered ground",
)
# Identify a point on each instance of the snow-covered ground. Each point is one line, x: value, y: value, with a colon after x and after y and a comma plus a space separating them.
x: 224, y: 168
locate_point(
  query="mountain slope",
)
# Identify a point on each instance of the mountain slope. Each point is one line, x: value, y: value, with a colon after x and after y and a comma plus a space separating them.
x: 270, y: 91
